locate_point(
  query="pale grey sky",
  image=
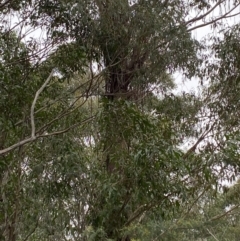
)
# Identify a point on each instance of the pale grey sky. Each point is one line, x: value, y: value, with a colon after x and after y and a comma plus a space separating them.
x: 200, y: 34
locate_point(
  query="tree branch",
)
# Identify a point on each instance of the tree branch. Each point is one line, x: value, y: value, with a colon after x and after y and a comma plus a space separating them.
x: 4, y: 4
x: 216, y: 19
x: 136, y: 214
x: 34, y: 103
x: 205, y: 14
x: 67, y: 129
x: 212, y: 235
x: 31, y: 139
x: 200, y: 139
x: 224, y: 214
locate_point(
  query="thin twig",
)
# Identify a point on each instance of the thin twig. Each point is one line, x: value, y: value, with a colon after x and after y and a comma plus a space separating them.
x: 31, y: 139
x: 212, y: 235
x: 67, y: 129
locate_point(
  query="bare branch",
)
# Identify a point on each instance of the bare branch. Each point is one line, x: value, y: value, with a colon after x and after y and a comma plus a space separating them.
x: 38, y: 134
x: 31, y: 139
x: 200, y: 139
x: 67, y: 129
x: 70, y: 109
x: 205, y: 14
x: 136, y: 214
x: 34, y: 103
x: 224, y: 214
x: 18, y: 144
x: 4, y: 4
x: 212, y: 235
x: 226, y: 15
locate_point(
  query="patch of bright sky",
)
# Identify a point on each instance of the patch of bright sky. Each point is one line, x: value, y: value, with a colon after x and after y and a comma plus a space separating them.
x: 201, y: 34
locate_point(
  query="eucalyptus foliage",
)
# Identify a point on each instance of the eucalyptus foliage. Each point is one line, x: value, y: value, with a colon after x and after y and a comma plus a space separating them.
x: 95, y: 144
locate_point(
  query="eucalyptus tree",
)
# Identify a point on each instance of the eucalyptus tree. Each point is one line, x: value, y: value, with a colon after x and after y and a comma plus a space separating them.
x: 213, y: 217
x: 103, y: 61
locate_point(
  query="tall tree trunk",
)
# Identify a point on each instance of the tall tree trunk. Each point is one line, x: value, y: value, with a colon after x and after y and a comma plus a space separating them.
x: 114, y: 42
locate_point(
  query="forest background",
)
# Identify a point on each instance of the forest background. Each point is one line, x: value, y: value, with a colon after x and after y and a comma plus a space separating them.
x: 93, y: 133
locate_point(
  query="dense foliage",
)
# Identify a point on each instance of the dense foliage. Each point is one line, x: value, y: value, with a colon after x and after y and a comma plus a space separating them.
x: 96, y: 141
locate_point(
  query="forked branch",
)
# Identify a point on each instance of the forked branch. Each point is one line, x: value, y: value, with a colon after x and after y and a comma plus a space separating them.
x: 37, y: 134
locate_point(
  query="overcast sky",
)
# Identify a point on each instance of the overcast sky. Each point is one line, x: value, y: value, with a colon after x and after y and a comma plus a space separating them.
x: 200, y: 34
